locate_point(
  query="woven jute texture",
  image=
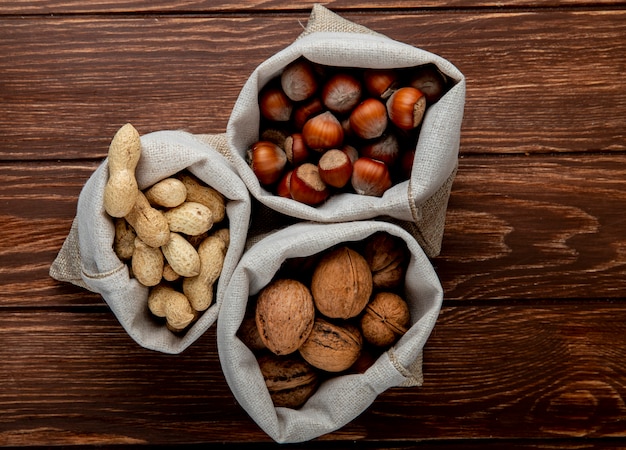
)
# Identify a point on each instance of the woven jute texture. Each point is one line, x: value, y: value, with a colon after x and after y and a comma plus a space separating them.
x: 87, y: 259
x: 342, y: 398
x: 419, y: 204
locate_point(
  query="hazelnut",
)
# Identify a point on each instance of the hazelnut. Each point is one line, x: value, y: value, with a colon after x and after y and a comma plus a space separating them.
x: 289, y: 379
x: 430, y: 80
x: 274, y: 104
x: 380, y: 82
x: 304, y: 111
x: 341, y: 93
x: 370, y: 177
x: 306, y: 185
x: 284, y: 315
x: 406, y: 107
x: 295, y: 149
x: 386, y: 149
x: 274, y: 135
x: 267, y: 160
x: 335, y: 168
x: 332, y: 347
x: 298, y: 80
x: 369, y: 119
x: 386, y: 318
x: 283, y: 186
x: 342, y: 283
x: 323, y: 132
x: 351, y: 151
x: 387, y: 257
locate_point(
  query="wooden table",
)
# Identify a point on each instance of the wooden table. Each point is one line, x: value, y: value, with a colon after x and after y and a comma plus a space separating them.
x: 530, y: 348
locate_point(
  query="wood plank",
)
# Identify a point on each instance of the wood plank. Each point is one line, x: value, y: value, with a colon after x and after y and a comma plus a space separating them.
x: 68, y: 87
x: 517, y: 227
x: 219, y: 6
x: 523, y: 227
x: 544, y: 372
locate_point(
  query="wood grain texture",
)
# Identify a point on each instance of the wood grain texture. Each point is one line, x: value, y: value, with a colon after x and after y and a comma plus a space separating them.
x: 221, y: 6
x: 551, y: 79
x: 552, y: 227
x: 529, y: 349
x: 536, y: 371
x: 517, y: 227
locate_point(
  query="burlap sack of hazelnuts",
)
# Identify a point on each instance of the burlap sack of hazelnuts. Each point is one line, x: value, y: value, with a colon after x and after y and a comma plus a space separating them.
x: 87, y: 258
x: 339, y: 399
x: 418, y: 204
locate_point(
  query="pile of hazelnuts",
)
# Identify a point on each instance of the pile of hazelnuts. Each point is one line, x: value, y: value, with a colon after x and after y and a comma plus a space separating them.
x: 325, y: 129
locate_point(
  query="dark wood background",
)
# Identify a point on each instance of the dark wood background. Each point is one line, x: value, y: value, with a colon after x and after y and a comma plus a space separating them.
x: 530, y: 347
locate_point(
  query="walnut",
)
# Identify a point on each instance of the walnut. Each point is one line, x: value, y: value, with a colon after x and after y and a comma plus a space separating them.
x: 387, y: 256
x: 386, y: 318
x: 332, y: 347
x: 284, y: 315
x: 341, y: 283
x: 249, y: 333
x: 289, y: 379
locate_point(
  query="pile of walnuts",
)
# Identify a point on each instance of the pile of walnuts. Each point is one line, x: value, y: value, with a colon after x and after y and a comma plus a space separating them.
x: 328, y: 129
x: 328, y: 314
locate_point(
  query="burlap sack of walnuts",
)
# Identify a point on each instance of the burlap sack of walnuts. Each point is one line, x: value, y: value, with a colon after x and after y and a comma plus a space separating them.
x: 87, y: 259
x: 341, y: 399
x: 418, y: 204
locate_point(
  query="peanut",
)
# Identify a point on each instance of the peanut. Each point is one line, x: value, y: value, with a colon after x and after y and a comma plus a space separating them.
x: 209, y: 197
x: 190, y: 218
x: 169, y: 274
x: 164, y: 301
x: 121, y: 188
x: 197, y: 239
x: 181, y: 255
x: 147, y: 264
x: 156, y: 299
x: 149, y: 223
x: 168, y: 193
x: 124, y: 241
x: 178, y: 312
x: 199, y: 289
x: 223, y: 234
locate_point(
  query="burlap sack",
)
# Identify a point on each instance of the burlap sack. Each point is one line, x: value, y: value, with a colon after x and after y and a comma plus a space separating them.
x: 340, y: 400
x: 420, y: 203
x: 87, y: 258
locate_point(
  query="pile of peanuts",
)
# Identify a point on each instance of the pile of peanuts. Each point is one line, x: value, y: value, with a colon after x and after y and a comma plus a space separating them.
x: 168, y: 233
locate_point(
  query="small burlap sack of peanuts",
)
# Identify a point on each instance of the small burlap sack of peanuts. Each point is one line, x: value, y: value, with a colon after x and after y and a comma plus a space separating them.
x: 267, y: 384
x: 417, y: 201
x: 88, y: 258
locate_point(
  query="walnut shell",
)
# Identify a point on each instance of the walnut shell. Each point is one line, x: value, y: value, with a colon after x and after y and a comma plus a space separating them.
x: 341, y: 283
x: 249, y: 333
x: 332, y: 347
x: 284, y: 315
x: 387, y: 257
x: 386, y: 318
x: 289, y: 379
